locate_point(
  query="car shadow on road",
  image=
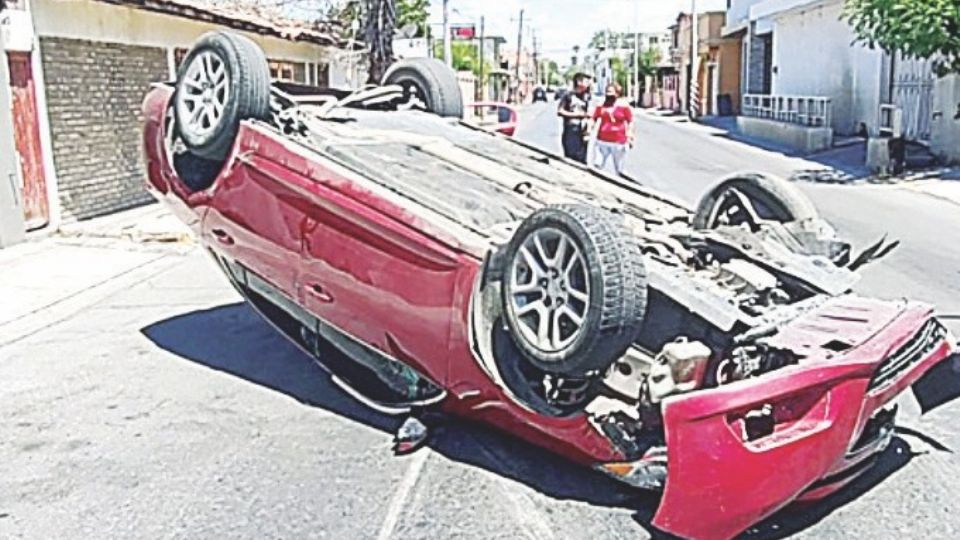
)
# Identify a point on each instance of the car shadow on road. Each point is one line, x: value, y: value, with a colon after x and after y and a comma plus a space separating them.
x: 798, y: 517
x: 236, y: 341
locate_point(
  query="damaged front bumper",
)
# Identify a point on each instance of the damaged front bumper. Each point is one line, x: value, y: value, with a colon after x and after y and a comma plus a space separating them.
x: 830, y: 421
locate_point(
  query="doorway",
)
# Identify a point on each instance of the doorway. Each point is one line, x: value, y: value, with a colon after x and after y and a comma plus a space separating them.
x: 26, y: 132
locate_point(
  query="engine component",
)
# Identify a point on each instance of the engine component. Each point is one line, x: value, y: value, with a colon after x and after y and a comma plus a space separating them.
x: 627, y: 375
x: 745, y: 277
x: 678, y: 368
x: 565, y: 392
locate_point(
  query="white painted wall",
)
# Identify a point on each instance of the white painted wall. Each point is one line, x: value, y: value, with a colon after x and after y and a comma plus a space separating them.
x: 813, y: 56
x: 945, y: 129
x: 97, y: 21
x: 738, y: 11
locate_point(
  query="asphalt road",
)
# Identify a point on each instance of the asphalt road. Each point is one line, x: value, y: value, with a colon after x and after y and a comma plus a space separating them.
x: 158, y: 405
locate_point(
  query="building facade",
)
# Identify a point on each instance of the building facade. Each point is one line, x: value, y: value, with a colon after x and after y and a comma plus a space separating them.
x: 714, y: 70
x: 79, y: 71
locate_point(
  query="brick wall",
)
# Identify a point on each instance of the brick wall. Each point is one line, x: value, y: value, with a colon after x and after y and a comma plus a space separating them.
x: 94, y: 91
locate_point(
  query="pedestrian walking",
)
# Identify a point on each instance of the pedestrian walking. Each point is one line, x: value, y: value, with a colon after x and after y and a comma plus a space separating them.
x: 614, y: 129
x: 574, y: 109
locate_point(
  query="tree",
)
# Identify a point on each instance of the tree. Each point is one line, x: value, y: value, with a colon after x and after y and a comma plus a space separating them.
x: 916, y: 28
x: 465, y: 56
x: 414, y: 12
x: 552, y: 73
x: 381, y: 21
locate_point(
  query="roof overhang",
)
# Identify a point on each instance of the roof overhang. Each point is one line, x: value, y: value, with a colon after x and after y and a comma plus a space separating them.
x: 735, y: 30
x: 258, y: 23
x: 776, y: 8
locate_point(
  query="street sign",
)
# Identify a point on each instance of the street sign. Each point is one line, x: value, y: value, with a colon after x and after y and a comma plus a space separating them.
x: 463, y: 31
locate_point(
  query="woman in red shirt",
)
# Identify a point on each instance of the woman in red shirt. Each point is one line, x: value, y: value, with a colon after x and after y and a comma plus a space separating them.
x: 615, y: 129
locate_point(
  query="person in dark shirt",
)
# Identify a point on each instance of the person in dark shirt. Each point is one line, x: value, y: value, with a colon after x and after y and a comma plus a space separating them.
x: 574, y: 110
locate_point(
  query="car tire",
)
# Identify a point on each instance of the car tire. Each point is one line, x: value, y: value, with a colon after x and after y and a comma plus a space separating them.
x: 432, y: 81
x: 772, y: 198
x: 605, y: 288
x: 223, y: 80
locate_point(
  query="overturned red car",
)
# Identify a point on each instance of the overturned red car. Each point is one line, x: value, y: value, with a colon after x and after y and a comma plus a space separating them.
x: 716, y: 354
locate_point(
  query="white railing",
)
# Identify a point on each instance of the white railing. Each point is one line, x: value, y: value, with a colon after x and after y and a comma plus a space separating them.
x: 813, y: 111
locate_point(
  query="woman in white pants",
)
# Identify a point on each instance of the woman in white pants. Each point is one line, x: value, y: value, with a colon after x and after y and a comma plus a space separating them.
x: 614, y: 121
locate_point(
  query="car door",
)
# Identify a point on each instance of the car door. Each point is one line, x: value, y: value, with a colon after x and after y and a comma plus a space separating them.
x: 257, y: 214
x: 378, y: 280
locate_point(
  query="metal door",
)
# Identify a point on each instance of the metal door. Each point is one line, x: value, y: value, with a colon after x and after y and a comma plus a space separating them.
x: 912, y: 91
x: 26, y: 130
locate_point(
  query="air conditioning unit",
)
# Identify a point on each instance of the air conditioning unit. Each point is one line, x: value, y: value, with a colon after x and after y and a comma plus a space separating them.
x: 16, y: 30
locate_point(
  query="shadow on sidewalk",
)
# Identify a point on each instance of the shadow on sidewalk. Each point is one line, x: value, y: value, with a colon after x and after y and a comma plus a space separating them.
x: 236, y: 341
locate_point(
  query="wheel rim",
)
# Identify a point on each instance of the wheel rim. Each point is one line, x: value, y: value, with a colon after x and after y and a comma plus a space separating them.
x: 413, y: 95
x: 550, y: 290
x: 204, y: 94
x: 733, y: 208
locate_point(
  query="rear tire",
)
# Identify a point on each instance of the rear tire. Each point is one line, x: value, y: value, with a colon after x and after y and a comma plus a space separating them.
x: 592, y: 291
x: 772, y: 198
x: 429, y: 80
x: 223, y: 80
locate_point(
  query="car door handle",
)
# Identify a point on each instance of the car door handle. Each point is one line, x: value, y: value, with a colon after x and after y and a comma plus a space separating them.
x: 318, y: 291
x: 222, y: 237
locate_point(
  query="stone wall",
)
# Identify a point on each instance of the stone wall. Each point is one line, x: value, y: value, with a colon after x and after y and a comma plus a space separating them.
x: 94, y: 91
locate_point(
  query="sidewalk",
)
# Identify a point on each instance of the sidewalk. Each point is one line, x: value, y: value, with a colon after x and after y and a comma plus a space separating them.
x: 50, y: 278
x: 150, y: 223
x: 946, y: 187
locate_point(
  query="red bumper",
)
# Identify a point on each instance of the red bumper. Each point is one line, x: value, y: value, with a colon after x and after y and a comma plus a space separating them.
x: 719, y: 483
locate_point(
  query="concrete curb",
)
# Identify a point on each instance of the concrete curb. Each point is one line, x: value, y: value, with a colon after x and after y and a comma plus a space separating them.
x: 146, y: 224
x: 945, y: 190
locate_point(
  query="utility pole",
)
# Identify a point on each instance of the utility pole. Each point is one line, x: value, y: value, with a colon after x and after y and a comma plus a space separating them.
x: 447, y: 52
x: 693, y: 100
x: 381, y: 21
x: 536, y: 60
x: 636, y: 67
x: 519, y: 48
x: 636, y: 55
x: 481, y: 95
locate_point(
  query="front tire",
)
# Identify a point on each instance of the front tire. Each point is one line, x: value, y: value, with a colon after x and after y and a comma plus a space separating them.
x: 574, y: 289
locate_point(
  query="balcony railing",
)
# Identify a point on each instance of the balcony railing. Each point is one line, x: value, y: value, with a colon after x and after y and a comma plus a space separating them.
x: 814, y: 111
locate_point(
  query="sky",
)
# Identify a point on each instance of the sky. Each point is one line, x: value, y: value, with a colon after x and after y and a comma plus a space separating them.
x: 561, y: 24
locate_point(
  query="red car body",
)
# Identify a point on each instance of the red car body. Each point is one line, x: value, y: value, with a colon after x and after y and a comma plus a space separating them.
x: 348, y: 254
x: 506, y: 117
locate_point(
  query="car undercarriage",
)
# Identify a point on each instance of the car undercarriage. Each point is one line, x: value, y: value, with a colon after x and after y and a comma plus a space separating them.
x: 430, y: 265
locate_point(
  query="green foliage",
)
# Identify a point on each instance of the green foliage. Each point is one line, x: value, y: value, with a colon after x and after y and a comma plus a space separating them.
x: 610, y: 39
x: 340, y: 15
x: 414, y: 12
x: 464, y: 56
x: 552, y: 70
x: 621, y: 71
x: 917, y: 28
